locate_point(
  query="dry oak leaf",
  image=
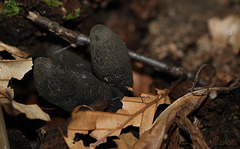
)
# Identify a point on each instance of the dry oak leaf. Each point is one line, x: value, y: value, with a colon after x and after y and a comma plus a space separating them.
x: 136, y: 111
x: 16, y: 69
x: 16, y: 53
x: 13, y: 68
x: 226, y: 31
x: 126, y: 140
x: 14, y: 108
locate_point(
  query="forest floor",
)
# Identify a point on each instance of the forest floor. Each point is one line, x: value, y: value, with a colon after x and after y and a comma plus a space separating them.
x: 181, y: 33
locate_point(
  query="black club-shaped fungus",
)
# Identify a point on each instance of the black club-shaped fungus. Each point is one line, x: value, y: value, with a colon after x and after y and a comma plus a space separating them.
x: 67, y: 88
x: 110, y: 59
x: 69, y: 59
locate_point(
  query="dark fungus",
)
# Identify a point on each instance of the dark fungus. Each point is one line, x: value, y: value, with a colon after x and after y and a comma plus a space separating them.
x: 110, y: 59
x: 69, y: 59
x: 68, y: 89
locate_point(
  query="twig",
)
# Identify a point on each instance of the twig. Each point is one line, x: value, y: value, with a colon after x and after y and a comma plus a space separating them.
x: 66, y: 34
x: 196, y: 80
x: 195, y: 134
x: 76, y: 39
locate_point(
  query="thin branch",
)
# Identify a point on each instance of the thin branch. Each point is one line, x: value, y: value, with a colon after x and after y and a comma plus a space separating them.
x: 195, y: 134
x: 70, y: 36
x: 76, y: 39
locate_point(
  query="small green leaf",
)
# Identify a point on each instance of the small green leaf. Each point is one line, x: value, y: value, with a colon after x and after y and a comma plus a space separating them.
x: 54, y: 3
x: 10, y: 8
x: 71, y: 16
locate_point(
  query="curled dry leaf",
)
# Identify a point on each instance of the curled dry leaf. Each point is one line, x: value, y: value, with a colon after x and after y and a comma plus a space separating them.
x: 16, y: 53
x: 226, y: 31
x: 14, y: 68
x: 136, y: 111
x: 15, y: 108
x: 155, y: 136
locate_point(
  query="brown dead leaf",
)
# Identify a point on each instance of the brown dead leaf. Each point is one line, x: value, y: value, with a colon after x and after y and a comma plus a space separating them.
x: 9, y: 69
x: 136, y: 111
x: 226, y: 31
x: 14, y: 68
x: 121, y: 144
x: 129, y: 139
x: 17, y: 69
x: 155, y: 136
x: 14, y: 108
x: 141, y: 82
x: 16, y: 53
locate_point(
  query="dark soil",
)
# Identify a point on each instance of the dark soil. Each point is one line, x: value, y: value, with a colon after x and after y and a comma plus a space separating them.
x: 170, y: 31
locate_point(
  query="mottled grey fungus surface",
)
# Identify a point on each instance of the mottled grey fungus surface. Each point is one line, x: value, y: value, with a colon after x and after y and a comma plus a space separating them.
x: 69, y: 59
x: 68, y: 89
x: 110, y: 59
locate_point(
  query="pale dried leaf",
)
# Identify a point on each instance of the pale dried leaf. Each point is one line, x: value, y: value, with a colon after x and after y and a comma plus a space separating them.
x: 15, y: 108
x: 136, y: 111
x: 4, y: 83
x: 226, y: 31
x: 100, y: 122
x: 14, y: 68
x: 166, y: 100
x: 16, y: 53
x: 129, y: 139
x: 121, y: 144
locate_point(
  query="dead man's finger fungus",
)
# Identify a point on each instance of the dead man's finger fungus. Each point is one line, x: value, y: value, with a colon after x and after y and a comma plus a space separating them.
x: 110, y: 59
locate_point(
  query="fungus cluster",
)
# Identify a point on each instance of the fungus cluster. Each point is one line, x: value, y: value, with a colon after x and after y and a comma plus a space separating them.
x: 69, y: 84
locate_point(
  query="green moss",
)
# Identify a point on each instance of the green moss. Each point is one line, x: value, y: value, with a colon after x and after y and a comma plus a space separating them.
x: 54, y: 3
x: 10, y: 8
x: 73, y: 15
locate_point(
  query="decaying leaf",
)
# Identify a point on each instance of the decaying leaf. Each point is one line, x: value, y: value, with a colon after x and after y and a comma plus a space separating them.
x: 129, y: 139
x: 226, y: 31
x: 155, y: 136
x: 16, y: 53
x: 15, y: 108
x: 14, y: 68
x: 136, y: 111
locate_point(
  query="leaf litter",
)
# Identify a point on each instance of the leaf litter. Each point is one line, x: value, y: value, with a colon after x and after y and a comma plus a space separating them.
x: 16, y: 69
x: 136, y: 111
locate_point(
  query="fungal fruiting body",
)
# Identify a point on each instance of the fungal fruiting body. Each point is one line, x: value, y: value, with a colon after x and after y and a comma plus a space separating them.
x: 69, y: 60
x: 67, y: 88
x: 110, y: 59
